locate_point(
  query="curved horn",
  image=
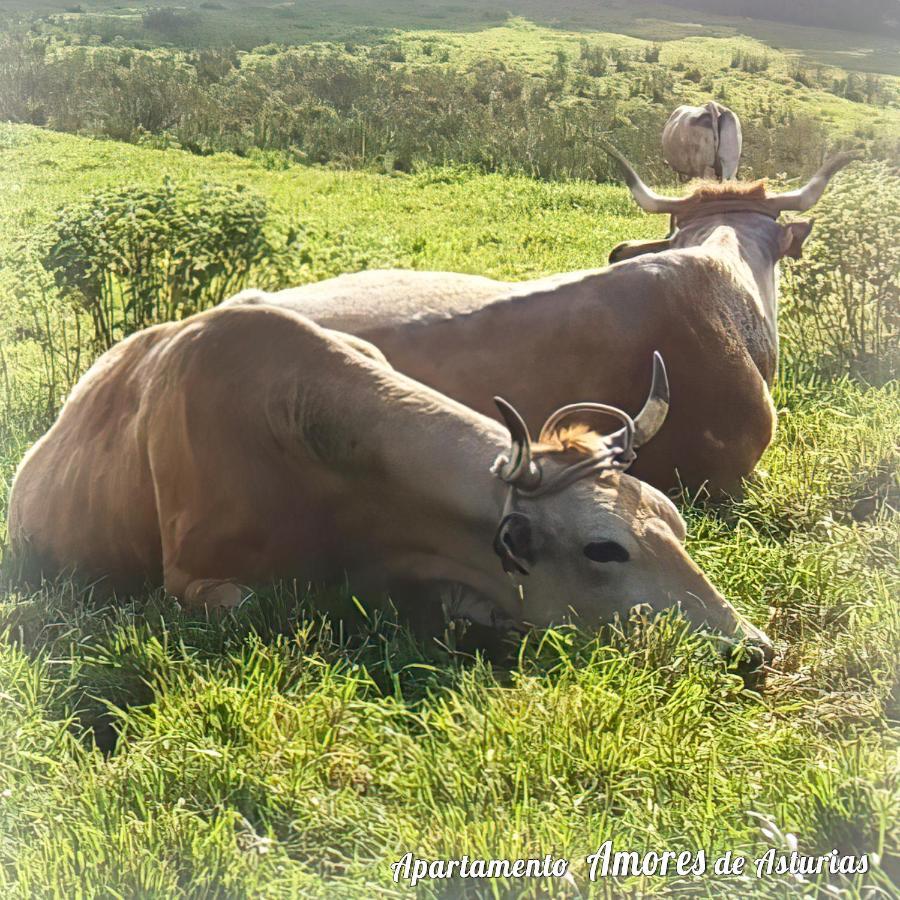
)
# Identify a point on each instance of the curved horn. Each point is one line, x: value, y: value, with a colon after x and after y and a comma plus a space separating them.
x: 517, y: 468
x: 646, y: 199
x: 651, y: 417
x: 803, y: 198
x: 654, y: 411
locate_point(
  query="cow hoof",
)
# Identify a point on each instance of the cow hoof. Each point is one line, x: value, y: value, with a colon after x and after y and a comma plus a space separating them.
x: 212, y: 596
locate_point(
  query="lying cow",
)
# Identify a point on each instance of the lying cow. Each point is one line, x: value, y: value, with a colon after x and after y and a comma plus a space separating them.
x: 703, y: 141
x: 706, y: 299
x: 247, y: 443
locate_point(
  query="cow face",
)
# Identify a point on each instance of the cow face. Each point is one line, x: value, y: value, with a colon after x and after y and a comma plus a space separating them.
x: 604, y: 545
x: 587, y: 542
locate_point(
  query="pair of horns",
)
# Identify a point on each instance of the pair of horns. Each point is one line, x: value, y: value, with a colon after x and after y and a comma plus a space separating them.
x: 519, y: 469
x: 800, y: 200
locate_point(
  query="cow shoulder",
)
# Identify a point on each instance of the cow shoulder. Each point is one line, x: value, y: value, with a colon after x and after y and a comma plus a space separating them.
x: 315, y: 389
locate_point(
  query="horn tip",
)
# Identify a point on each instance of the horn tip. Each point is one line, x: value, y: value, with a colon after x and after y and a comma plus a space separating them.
x: 512, y: 419
x: 660, y: 377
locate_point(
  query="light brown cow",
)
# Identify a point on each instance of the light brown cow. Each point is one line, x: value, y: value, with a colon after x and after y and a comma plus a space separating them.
x: 705, y: 298
x: 248, y: 443
x: 703, y: 141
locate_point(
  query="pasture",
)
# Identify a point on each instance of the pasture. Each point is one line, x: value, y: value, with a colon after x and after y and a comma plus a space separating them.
x: 216, y: 23
x: 149, y: 753
x: 301, y: 746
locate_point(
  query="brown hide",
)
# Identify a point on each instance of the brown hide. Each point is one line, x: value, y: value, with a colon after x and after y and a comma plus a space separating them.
x: 247, y: 443
x: 187, y: 452
x: 582, y: 336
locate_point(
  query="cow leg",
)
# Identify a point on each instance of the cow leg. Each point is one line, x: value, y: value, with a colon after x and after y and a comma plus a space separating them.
x: 203, y: 594
x: 209, y: 594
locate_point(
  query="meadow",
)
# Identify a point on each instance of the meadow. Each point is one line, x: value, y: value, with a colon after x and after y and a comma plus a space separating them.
x: 246, y: 25
x: 302, y: 745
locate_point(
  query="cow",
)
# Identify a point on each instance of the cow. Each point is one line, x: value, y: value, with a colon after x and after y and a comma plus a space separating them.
x: 705, y: 298
x: 703, y: 141
x: 247, y: 443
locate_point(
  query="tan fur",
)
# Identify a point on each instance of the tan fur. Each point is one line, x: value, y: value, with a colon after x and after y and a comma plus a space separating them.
x: 570, y: 442
x: 706, y: 306
x: 705, y: 298
x: 730, y: 190
x: 247, y: 443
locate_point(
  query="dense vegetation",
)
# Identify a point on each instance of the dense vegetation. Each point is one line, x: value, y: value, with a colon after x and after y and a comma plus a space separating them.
x: 515, y: 98
x: 302, y: 745
x: 247, y: 24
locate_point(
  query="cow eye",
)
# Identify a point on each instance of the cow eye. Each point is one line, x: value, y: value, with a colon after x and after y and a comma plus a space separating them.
x: 606, y: 551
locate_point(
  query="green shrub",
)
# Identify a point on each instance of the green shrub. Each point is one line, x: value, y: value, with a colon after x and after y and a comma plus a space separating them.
x: 168, y: 21
x: 842, y: 309
x: 134, y: 257
x: 749, y: 62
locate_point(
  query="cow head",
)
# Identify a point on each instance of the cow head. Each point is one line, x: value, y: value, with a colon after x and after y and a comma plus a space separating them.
x: 584, y: 540
x: 725, y: 200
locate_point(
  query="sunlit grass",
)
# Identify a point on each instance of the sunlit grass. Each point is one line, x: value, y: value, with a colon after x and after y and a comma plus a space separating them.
x: 284, y: 752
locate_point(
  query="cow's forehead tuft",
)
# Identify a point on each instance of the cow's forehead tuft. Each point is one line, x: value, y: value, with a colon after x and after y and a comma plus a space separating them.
x: 730, y: 190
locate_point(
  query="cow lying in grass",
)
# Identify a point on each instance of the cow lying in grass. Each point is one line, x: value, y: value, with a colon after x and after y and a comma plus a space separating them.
x: 248, y: 443
x: 705, y: 298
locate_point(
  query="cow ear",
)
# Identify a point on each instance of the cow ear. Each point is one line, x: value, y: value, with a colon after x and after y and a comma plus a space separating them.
x: 512, y: 543
x: 631, y: 249
x: 792, y: 237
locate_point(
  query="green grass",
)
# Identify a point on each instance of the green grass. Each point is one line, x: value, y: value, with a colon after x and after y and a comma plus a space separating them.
x: 249, y: 24
x: 532, y: 48
x: 491, y: 224
x: 285, y: 752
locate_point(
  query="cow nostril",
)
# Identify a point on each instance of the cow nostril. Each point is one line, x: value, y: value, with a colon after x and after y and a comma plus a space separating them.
x: 749, y: 659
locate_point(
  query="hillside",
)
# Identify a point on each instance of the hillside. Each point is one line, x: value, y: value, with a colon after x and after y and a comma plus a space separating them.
x: 515, y: 97
x: 873, y: 16
x: 281, y: 752
x: 806, y: 32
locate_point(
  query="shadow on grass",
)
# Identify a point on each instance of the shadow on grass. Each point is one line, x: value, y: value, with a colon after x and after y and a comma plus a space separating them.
x: 114, y: 655
x: 112, y: 651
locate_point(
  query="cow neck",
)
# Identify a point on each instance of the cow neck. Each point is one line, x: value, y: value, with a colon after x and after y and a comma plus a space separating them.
x: 431, y: 453
x: 440, y: 503
x: 748, y: 240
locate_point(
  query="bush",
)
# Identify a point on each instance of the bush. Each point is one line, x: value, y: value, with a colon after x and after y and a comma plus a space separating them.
x: 749, y: 62
x: 357, y: 107
x: 135, y: 257
x: 842, y: 310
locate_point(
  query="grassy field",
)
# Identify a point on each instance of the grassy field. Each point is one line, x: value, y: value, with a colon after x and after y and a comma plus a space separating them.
x: 522, y: 43
x: 202, y: 23
x: 301, y: 746
x: 282, y: 753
